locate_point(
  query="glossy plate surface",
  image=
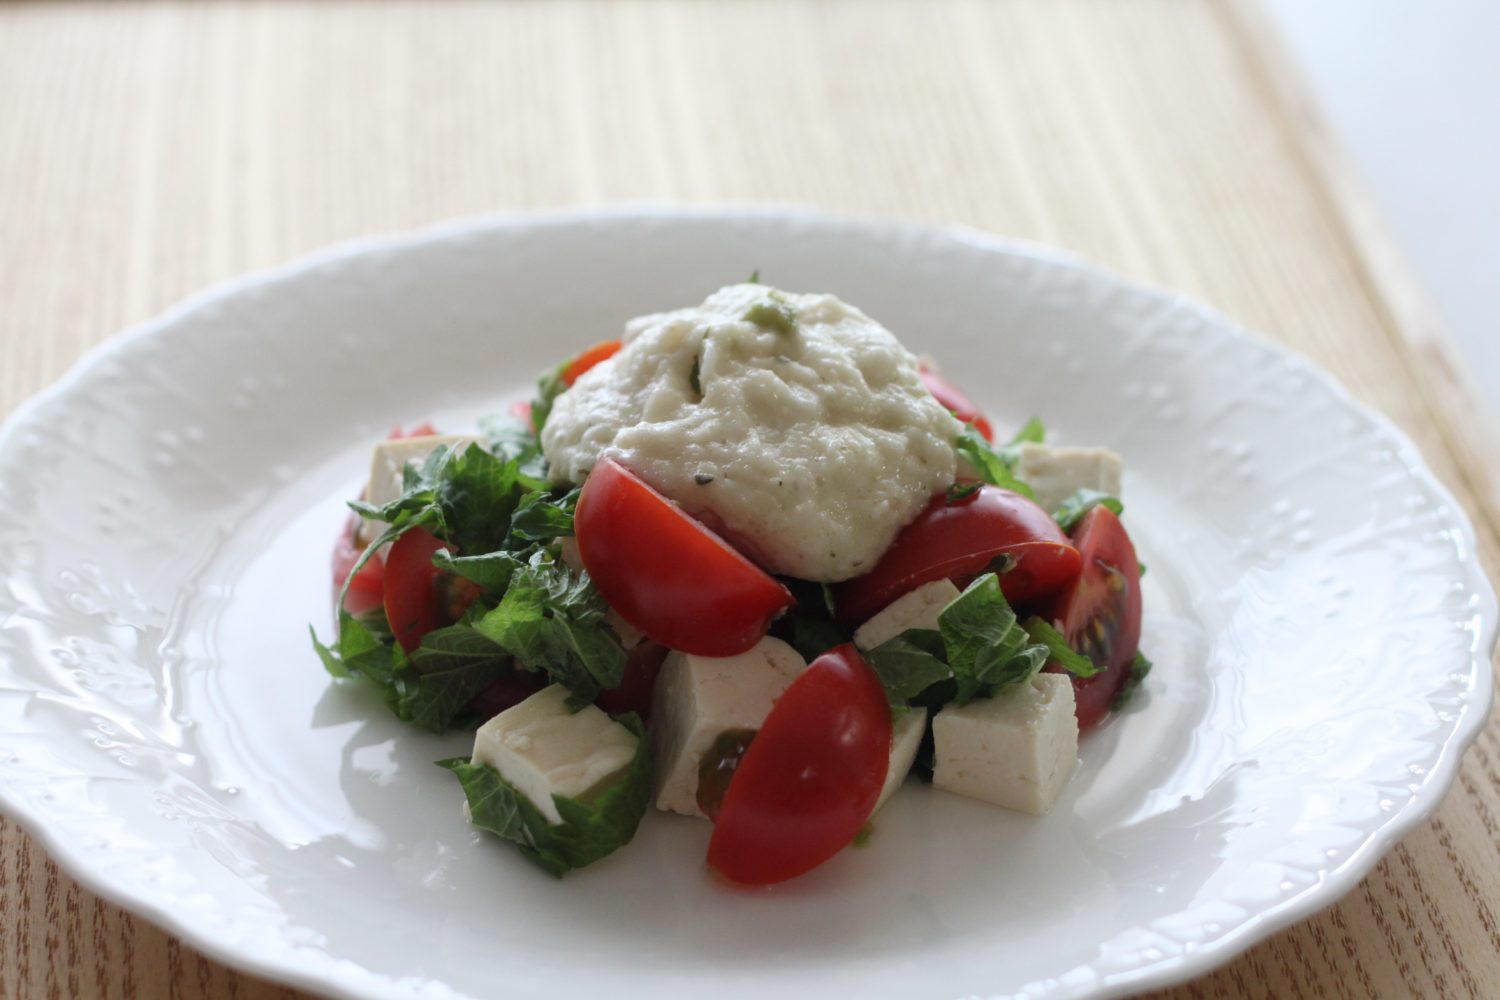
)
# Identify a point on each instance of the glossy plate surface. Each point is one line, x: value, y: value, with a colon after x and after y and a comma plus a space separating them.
x: 1314, y: 606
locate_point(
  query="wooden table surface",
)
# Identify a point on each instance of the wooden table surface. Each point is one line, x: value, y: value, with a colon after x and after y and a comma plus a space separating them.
x: 148, y: 150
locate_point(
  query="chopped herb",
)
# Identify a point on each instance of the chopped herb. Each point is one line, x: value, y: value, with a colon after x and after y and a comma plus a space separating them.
x: 987, y: 649
x: 1060, y: 652
x: 989, y: 465
x: 961, y: 491
x: 1139, y: 668
x: 978, y: 649
x: 695, y: 377
x: 773, y: 313
x: 909, y: 664
x: 430, y: 688
x: 703, y: 478
x: 553, y: 621
x: 1032, y: 430
x: 548, y: 388
x: 1071, y: 510
x: 541, y: 517
x: 754, y: 277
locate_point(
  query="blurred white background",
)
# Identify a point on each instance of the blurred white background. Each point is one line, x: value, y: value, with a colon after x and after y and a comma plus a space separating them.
x: 1413, y: 91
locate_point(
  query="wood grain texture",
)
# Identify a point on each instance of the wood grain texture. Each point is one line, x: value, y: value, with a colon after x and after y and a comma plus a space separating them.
x: 148, y: 150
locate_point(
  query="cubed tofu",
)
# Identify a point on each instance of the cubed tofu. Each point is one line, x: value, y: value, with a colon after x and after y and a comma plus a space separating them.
x: 916, y: 609
x: 630, y: 636
x: 905, y: 741
x: 698, y: 698
x: 1015, y: 750
x: 1054, y: 474
x: 388, y: 464
x: 544, y: 749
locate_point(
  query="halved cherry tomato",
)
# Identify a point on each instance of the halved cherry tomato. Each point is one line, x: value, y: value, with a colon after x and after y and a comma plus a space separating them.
x: 418, y: 596
x: 424, y: 429
x: 1100, y: 614
x: 810, y: 778
x: 588, y: 359
x: 521, y: 410
x: 367, y: 589
x: 956, y: 401
x: 634, y: 692
x: 959, y: 541
x: 665, y: 573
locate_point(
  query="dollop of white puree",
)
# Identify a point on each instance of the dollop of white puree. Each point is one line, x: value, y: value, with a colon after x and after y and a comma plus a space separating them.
x: 811, y: 444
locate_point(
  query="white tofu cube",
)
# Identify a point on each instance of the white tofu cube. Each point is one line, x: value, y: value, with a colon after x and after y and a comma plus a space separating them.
x: 917, y: 609
x: 388, y: 464
x: 905, y: 741
x: 698, y: 698
x: 1015, y: 750
x: 543, y: 749
x: 1055, y: 474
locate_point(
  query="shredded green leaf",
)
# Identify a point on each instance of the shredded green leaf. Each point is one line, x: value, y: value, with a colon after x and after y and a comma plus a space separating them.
x: 1032, y: 431
x: 989, y: 465
x: 553, y: 621
x: 1139, y: 668
x: 978, y: 649
x: 961, y: 491
x: 548, y: 388
x: 909, y: 664
x: 541, y: 517
x: 430, y: 688
x: 1058, y: 649
x: 1071, y: 510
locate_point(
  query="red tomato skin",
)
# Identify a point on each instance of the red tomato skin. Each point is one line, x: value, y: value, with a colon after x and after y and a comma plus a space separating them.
x: 1111, y: 573
x: 958, y: 541
x: 588, y: 359
x: 414, y: 605
x: 634, y: 692
x: 666, y: 574
x: 811, y: 777
x: 424, y: 429
x: 367, y: 589
x: 957, y: 402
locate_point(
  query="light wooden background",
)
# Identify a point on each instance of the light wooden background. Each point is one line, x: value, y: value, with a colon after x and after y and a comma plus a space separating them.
x: 147, y: 150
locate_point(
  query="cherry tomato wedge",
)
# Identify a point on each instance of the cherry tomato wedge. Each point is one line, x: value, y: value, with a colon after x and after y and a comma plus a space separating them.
x: 665, y: 573
x: 418, y: 596
x: 367, y: 589
x: 634, y: 691
x: 424, y: 429
x: 1100, y: 614
x: 588, y: 359
x: 810, y: 778
x: 960, y: 541
x: 957, y: 402
x: 521, y: 410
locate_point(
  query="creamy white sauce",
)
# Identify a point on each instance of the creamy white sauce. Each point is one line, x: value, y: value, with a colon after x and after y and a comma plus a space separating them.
x: 811, y: 447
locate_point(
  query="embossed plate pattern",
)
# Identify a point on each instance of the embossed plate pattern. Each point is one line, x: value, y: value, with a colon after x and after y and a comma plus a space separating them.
x: 1319, y: 622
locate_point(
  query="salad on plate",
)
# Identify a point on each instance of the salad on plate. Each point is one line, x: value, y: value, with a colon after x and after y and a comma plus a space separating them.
x: 753, y: 562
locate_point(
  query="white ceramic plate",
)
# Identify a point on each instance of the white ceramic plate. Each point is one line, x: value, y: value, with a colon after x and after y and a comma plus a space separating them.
x: 1319, y: 622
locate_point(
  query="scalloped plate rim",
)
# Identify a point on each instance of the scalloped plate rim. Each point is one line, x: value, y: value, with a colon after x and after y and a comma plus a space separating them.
x: 1338, y: 881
